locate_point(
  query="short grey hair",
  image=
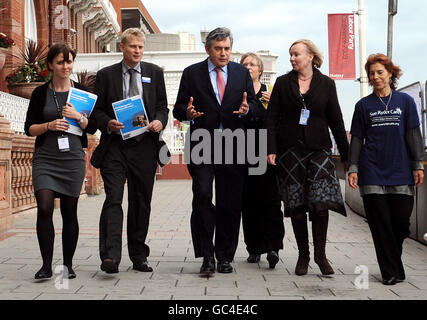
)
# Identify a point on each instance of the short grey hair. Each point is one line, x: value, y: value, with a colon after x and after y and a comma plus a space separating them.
x: 132, y: 32
x: 219, y: 34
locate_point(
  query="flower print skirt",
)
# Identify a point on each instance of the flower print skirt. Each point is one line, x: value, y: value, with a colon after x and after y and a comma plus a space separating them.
x: 307, y: 181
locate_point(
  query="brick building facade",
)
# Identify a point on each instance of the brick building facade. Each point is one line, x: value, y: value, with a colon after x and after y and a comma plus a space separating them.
x: 89, y: 26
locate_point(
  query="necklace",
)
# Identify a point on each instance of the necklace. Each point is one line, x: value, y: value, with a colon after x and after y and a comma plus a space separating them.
x: 388, y: 102
x: 306, y: 78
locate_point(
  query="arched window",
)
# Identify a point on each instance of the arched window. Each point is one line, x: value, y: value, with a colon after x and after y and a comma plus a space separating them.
x: 30, y: 20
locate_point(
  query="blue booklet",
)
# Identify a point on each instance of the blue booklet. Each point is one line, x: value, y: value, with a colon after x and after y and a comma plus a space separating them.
x: 83, y: 102
x: 132, y: 114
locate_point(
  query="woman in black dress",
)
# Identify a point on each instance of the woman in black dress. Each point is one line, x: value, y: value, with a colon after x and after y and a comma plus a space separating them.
x: 302, y: 108
x: 262, y: 217
x: 58, y: 162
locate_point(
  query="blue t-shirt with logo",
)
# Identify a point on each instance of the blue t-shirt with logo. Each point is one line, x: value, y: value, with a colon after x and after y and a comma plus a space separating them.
x: 384, y: 158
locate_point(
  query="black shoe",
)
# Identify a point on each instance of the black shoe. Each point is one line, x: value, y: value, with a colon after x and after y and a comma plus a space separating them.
x: 71, y: 273
x: 208, y: 266
x: 389, y: 282
x: 109, y: 266
x: 272, y: 258
x: 142, y: 266
x: 392, y: 281
x: 43, y: 273
x: 253, y: 258
x: 224, y: 267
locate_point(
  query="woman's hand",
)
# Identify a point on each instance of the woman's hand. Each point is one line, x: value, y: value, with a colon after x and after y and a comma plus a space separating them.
x: 266, y: 95
x: 352, y: 180
x: 70, y: 112
x: 271, y: 159
x: 58, y: 125
x: 418, y: 177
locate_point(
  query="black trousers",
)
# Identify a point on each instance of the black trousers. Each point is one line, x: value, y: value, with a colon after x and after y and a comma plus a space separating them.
x: 221, y: 219
x: 388, y: 217
x: 262, y: 217
x: 135, y: 162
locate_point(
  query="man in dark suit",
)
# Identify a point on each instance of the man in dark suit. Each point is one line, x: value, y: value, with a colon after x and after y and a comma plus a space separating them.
x: 133, y: 160
x: 215, y: 95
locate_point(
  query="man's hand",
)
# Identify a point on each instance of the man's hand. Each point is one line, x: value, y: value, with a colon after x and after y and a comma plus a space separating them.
x: 418, y: 177
x: 155, y: 126
x: 191, y: 111
x: 271, y: 159
x: 114, y: 125
x: 244, y: 107
x: 352, y: 180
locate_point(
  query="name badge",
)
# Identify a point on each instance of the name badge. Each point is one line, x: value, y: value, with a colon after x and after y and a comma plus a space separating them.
x: 146, y: 80
x: 63, y: 144
x: 305, y: 114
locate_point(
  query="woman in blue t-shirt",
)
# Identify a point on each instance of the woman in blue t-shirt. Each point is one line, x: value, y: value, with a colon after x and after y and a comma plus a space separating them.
x: 386, y: 161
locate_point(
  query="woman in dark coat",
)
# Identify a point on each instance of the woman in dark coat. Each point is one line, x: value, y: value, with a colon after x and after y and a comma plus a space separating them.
x: 262, y: 216
x: 303, y: 106
x: 58, y: 162
x: 386, y: 157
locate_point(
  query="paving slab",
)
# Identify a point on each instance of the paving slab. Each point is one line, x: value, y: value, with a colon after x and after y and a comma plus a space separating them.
x: 176, y: 270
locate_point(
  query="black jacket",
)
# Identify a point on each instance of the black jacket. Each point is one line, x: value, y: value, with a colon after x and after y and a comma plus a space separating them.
x: 284, y: 112
x: 196, y: 83
x: 35, y: 114
x: 109, y: 88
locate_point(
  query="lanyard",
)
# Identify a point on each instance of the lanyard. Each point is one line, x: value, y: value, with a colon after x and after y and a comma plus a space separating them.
x: 58, y: 108
x: 303, y: 101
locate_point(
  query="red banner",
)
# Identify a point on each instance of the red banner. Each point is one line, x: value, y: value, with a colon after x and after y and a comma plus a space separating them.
x: 342, y: 44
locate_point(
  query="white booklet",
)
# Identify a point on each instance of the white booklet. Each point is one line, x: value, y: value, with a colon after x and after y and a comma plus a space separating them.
x: 83, y: 102
x: 132, y: 114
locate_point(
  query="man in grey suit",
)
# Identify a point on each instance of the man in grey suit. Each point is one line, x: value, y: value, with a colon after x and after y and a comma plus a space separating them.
x: 133, y: 160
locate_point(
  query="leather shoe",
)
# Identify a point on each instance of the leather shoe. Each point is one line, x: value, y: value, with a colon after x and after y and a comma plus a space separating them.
x: 109, y: 266
x: 142, y: 266
x: 43, y: 274
x: 208, y: 266
x: 224, y: 267
x: 253, y: 258
x: 272, y: 258
x: 391, y: 281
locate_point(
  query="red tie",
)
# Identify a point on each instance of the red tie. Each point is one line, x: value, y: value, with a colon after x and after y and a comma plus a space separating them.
x: 220, y: 83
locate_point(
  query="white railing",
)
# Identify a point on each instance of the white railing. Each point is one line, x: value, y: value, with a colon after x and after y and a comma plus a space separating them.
x: 14, y: 109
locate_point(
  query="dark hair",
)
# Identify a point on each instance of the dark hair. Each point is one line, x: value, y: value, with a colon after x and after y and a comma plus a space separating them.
x: 58, y: 48
x: 219, y: 34
x: 395, y: 71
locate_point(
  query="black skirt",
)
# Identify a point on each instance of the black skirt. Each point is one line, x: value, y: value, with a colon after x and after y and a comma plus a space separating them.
x: 307, y: 181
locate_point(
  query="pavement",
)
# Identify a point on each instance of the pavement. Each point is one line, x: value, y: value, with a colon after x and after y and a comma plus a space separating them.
x: 176, y: 271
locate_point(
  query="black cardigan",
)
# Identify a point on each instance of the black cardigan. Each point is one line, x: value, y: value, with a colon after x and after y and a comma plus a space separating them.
x: 35, y: 114
x: 284, y: 112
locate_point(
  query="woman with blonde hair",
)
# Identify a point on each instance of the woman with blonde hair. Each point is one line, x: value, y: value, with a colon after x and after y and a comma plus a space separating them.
x: 302, y: 108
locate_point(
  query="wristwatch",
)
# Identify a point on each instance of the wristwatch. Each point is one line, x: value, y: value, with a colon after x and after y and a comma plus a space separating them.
x: 82, y: 119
